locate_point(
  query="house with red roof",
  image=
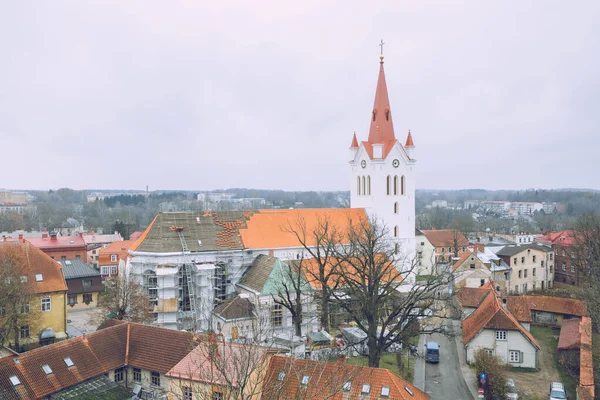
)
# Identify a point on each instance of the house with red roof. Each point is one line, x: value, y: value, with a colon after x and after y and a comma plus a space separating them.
x: 562, y: 243
x: 495, y: 329
x: 61, y: 247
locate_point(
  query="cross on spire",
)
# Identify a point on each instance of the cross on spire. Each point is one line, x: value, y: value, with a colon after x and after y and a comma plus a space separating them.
x: 381, y: 45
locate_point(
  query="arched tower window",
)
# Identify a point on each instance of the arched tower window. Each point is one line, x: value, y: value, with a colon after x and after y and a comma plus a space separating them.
x: 403, y: 185
x: 388, y: 184
x: 358, y: 185
x: 364, y: 191
x: 396, y: 231
x: 368, y: 185
x: 396, y: 208
x: 395, y: 184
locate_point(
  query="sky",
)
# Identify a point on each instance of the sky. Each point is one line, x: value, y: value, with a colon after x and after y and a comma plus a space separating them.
x: 201, y: 95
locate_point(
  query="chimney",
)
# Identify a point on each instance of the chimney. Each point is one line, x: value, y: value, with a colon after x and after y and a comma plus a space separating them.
x: 504, y: 302
x: 491, y: 238
x: 20, y: 236
x: 53, y: 236
x: 45, y: 234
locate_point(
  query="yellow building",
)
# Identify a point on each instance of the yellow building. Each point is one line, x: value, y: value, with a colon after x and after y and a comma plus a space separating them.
x: 34, y: 312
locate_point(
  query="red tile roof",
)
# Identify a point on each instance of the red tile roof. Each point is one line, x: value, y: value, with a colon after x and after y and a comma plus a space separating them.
x: 569, y: 335
x: 521, y: 306
x: 382, y: 128
x: 462, y: 259
x: 586, y: 364
x: 471, y: 297
x: 326, y: 381
x: 445, y: 237
x: 53, y: 242
x: 32, y: 261
x: 491, y: 315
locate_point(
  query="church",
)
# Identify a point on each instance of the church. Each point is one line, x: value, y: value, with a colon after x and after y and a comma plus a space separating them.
x: 208, y: 270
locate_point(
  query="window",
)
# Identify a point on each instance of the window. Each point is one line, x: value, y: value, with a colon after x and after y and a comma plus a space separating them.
x: 516, y: 288
x: 86, y: 282
x: 520, y: 273
x: 385, y: 391
x: 524, y: 288
x: 368, y: 185
x: 137, y: 375
x: 113, y: 258
x: 397, y: 248
x: 63, y: 258
x: 525, y: 273
x: 109, y: 270
x: 572, y: 268
x: 533, y: 272
x: 358, y: 185
x: 24, y: 332
x: 188, y: 394
x: 395, y: 184
x: 542, y: 263
x: 305, y: 379
x: 347, y: 386
x: 217, y: 396
x: 46, y: 304
x: 362, y: 190
x: 472, y: 266
x: 88, y: 298
x: 39, y: 277
x: 396, y: 208
x: 72, y: 299
x: 24, y: 279
x: 515, y: 261
x: 366, y: 388
x: 68, y: 361
x: 443, y: 250
x: 489, y: 352
x: 155, y: 378
x: 564, y: 267
x: 564, y: 252
x: 78, y: 257
x: 280, y: 376
x: 402, y: 186
x: 396, y: 231
x: 119, y: 374
x: 15, y: 380
x: 481, y: 282
x: 500, y: 335
x: 551, y: 256
x: 506, y: 276
x: 514, y: 356
x: 522, y: 260
x: 47, y: 369
x: 533, y: 286
x: 276, y: 315
x: 533, y: 258
x: 388, y: 184
x: 551, y: 267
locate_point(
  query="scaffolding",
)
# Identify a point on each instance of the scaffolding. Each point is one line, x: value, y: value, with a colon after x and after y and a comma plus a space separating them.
x: 186, y: 270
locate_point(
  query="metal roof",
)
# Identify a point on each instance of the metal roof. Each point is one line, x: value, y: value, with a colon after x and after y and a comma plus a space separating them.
x: 73, y: 269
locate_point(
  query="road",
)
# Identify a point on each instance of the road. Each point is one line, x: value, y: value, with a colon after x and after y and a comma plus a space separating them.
x: 444, y: 381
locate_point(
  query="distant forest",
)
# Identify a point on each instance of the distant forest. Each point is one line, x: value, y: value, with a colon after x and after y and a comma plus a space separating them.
x: 127, y: 213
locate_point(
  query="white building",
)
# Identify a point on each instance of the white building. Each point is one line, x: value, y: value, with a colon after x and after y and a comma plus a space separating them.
x: 532, y: 266
x: 494, y: 329
x: 525, y: 207
x: 383, y: 173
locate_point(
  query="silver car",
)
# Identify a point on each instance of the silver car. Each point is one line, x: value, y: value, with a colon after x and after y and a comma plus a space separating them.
x: 511, y: 392
x: 557, y: 391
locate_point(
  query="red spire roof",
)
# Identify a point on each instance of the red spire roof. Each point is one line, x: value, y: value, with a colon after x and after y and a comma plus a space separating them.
x: 354, y: 144
x: 409, y: 141
x: 381, y: 129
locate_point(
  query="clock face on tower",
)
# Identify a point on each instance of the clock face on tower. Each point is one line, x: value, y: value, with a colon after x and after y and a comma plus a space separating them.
x: 396, y: 163
x: 363, y: 164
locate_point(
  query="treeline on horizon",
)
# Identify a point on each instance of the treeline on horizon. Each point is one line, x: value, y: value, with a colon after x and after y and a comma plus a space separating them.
x: 52, y: 209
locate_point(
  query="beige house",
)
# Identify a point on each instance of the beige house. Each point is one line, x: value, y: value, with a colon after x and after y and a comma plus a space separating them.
x: 531, y: 264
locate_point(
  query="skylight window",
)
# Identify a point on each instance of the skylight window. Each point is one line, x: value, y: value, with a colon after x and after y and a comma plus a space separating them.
x: 24, y: 279
x: 366, y: 388
x: 347, y: 386
x: 281, y: 376
x: 39, y: 277
x: 305, y: 379
x: 15, y: 380
x: 16, y: 360
x: 68, y: 262
x: 385, y: 391
x: 68, y: 361
x: 409, y: 391
x: 47, y: 369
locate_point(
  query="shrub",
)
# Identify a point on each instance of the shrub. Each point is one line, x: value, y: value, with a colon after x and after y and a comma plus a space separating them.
x: 495, y: 387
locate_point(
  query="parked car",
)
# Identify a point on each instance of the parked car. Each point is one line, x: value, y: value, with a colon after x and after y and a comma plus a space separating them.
x: 511, y: 393
x: 432, y: 352
x: 557, y: 391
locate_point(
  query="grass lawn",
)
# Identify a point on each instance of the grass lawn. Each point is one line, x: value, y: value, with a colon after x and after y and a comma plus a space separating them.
x: 596, y: 358
x: 548, y: 339
x: 388, y: 361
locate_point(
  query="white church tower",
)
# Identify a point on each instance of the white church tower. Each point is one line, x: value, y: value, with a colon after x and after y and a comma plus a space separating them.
x: 383, y: 173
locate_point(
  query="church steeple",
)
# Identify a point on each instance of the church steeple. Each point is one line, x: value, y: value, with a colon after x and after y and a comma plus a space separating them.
x: 382, y: 129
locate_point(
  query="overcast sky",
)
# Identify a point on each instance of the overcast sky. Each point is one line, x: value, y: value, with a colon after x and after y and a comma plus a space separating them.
x: 266, y: 94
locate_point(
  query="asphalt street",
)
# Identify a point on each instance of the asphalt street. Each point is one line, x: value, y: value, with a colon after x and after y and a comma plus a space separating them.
x: 444, y: 381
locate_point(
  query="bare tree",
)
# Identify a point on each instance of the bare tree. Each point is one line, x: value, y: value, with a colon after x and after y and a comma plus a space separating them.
x: 292, y: 289
x: 16, y: 295
x: 384, y: 299
x: 319, y: 242
x: 586, y: 257
x: 124, y: 299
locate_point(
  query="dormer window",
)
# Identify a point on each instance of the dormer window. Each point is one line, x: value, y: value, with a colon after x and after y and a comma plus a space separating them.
x: 113, y: 258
